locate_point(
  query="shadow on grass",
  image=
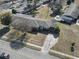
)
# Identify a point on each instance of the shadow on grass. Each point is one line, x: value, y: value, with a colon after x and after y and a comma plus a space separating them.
x: 4, y: 31
x: 18, y: 43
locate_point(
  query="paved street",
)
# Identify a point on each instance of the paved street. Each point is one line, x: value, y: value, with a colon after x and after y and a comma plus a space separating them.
x: 14, y: 55
x: 24, y: 53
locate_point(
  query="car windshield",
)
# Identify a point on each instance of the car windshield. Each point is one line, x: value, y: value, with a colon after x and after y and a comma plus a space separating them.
x: 2, y: 57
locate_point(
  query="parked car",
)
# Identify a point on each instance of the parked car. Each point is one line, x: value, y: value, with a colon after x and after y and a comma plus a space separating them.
x: 4, y: 56
x: 68, y: 19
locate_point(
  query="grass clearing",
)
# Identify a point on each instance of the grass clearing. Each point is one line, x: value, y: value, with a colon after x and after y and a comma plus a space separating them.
x: 44, y: 12
x: 68, y: 35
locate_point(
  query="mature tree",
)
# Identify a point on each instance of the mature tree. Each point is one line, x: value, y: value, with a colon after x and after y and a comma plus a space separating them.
x: 32, y: 6
x: 6, y: 19
x: 69, y: 2
x: 14, y: 11
x: 34, y: 2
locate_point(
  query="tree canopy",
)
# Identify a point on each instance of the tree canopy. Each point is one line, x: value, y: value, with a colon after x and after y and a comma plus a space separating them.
x: 6, y: 19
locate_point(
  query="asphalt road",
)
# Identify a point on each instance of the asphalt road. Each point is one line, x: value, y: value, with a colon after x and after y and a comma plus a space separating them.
x: 14, y: 55
x: 24, y: 53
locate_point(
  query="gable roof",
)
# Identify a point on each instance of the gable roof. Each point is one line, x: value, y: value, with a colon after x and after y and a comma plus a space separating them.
x: 26, y: 23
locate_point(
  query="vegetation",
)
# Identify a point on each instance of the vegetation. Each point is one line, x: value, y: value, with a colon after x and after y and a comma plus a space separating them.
x: 5, y: 18
x: 14, y: 11
x: 34, y: 2
x: 33, y: 12
x: 70, y: 1
x: 57, y: 28
x: 56, y: 7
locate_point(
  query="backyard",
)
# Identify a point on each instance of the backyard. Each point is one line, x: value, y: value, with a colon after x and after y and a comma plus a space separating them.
x: 68, y: 35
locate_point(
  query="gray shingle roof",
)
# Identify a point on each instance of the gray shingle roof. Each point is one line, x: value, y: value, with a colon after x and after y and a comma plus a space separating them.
x: 26, y: 23
x: 23, y: 24
x: 42, y: 23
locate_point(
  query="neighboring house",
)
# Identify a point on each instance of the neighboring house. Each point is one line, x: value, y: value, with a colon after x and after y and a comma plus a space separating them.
x: 27, y: 23
x: 71, y: 14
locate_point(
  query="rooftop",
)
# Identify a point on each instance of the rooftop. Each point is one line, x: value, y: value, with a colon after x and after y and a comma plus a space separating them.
x: 27, y: 23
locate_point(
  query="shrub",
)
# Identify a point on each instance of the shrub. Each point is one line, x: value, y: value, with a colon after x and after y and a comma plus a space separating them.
x: 14, y: 11
x: 6, y: 18
x: 57, y: 28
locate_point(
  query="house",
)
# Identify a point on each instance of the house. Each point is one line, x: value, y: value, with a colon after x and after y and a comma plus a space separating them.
x: 71, y: 14
x: 28, y: 23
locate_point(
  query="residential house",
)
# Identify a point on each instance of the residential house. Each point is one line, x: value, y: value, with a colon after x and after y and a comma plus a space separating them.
x: 28, y: 23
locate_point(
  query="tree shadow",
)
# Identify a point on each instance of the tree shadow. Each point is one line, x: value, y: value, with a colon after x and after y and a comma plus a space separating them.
x: 4, y: 31
x: 53, y: 31
x: 18, y: 43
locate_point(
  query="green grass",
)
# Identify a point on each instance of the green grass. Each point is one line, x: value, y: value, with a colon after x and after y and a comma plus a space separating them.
x: 43, y: 12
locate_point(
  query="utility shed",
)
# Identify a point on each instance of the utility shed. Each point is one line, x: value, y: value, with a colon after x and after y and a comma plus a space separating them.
x: 27, y: 23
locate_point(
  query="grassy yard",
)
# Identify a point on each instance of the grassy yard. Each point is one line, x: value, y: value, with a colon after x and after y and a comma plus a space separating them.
x: 68, y: 35
x: 44, y: 12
